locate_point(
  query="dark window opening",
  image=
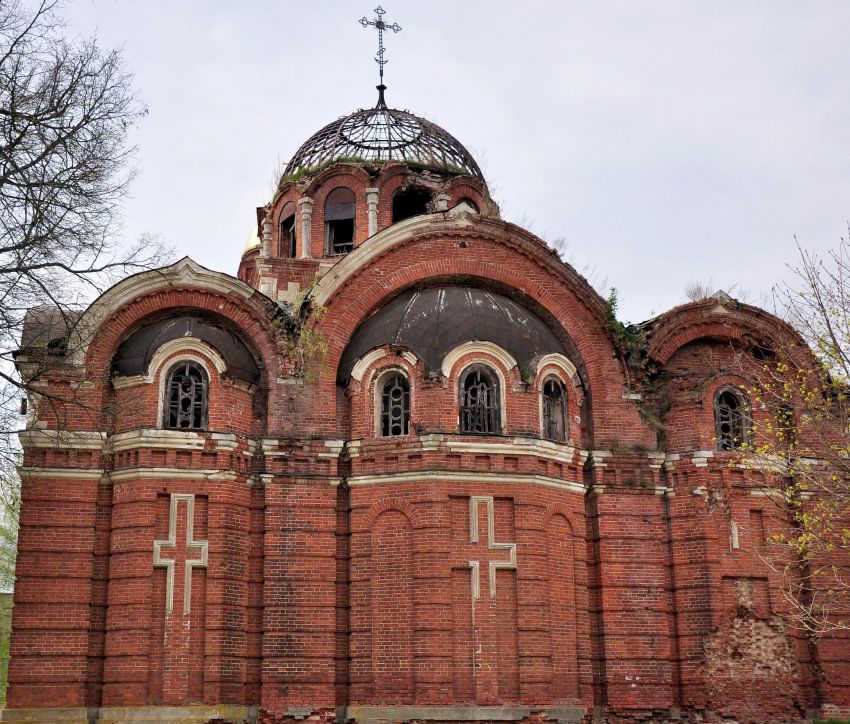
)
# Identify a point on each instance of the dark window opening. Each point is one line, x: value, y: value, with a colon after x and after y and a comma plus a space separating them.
x: 470, y: 202
x: 410, y: 202
x: 339, y: 221
x: 479, y: 402
x: 554, y: 411
x: 186, y: 391
x: 731, y: 419
x: 286, y: 243
x: 395, y: 406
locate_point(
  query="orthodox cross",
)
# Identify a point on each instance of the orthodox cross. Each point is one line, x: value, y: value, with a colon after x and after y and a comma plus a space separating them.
x: 494, y: 565
x: 200, y: 546
x: 381, y: 25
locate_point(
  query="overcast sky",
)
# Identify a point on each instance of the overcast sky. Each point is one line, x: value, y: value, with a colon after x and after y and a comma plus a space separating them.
x: 666, y: 141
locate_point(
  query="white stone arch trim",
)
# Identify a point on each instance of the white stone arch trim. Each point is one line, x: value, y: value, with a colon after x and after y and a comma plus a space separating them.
x: 182, y: 273
x: 561, y: 362
x: 376, y: 384
x: 363, y: 253
x: 202, y: 351
x: 371, y: 357
x: 182, y: 357
x: 500, y: 376
x: 483, y: 349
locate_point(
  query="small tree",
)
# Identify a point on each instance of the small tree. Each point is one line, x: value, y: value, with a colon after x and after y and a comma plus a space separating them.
x: 805, y: 444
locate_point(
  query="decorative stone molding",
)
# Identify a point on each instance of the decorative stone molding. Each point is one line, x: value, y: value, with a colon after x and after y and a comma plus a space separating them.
x: 348, y: 265
x: 305, y: 212
x: 560, y: 361
x: 225, y: 441
x: 63, y: 439
x: 700, y: 458
x: 154, y: 438
x: 368, y: 359
x: 30, y: 473
x: 478, y: 348
x: 372, y: 210
x: 559, y: 452
x: 440, y: 476
x: 268, y: 230
x: 201, y: 546
x: 186, y: 345
x: 171, y: 474
x: 182, y: 273
x: 475, y: 566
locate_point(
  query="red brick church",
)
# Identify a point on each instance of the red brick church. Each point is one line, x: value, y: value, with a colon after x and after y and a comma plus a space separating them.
x: 400, y: 468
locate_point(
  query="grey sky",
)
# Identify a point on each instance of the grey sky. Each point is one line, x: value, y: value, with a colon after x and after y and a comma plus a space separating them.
x: 665, y: 140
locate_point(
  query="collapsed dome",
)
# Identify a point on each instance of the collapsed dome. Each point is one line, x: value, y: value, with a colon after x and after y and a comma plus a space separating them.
x: 383, y: 134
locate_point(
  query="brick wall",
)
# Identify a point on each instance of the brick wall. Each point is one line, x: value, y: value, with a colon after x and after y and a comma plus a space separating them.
x: 349, y: 569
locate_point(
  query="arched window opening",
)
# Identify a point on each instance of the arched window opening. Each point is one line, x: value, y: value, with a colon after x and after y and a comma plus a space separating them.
x: 339, y: 221
x: 286, y: 238
x: 410, y: 202
x: 479, y: 402
x: 187, y: 392
x: 469, y: 202
x: 395, y: 406
x: 554, y: 411
x: 731, y: 419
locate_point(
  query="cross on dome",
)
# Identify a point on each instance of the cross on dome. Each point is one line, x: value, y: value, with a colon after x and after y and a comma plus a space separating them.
x: 381, y: 26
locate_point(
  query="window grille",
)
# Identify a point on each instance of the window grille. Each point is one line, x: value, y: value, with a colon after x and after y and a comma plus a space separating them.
x: 554, y: 411
x: 395, y: 406
x: 187, y: 392
x: 731, y: 419
x: 479, y: 403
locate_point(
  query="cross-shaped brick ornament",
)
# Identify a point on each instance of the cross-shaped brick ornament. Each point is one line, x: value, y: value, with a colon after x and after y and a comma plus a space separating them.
x: 475, y: 566
x: 201, y: 546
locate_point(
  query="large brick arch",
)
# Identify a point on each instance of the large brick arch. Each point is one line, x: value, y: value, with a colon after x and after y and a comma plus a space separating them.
x: 129, y: 305
x: 483, y: 252
x: 732, y: 320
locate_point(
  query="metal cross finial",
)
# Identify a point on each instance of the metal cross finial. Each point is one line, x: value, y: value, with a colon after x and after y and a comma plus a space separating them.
x: 381, y: 25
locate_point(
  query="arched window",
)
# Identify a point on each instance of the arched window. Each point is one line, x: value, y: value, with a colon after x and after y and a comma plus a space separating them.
x: 339, y: 221
x: 186, y: 391
x: 395, y: 406
x: 479, y: 401
x: 731, y: 419
x: 286, y: 238
x: 410, y: 202
x: 554, y: 410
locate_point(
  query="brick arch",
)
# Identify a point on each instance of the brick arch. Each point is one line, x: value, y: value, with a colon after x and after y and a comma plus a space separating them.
x: 342, y: 174
x: 554, y: 509
x: 397, y: 504
x: 512, y: 263
x: 740, y: 323
x: 246, y: 316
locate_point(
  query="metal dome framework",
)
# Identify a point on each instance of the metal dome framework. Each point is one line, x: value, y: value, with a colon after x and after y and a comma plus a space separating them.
x: 382, y: 134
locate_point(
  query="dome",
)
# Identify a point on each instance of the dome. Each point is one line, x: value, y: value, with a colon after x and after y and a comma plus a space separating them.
x: 433, y: 321
x: 384, y: 134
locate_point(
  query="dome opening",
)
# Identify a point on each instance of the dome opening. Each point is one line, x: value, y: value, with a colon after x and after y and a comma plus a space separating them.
x: 379, y: 135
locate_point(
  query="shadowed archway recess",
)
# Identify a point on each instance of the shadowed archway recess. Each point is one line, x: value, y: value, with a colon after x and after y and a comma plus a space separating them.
x: 432, y: 322
x: 134, y: 354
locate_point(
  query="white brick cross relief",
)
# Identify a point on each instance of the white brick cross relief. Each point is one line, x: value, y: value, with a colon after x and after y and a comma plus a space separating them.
x: 474, y: 502
x: 201, y: 546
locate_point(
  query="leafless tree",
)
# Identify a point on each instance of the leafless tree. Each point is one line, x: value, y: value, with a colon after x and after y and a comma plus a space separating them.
x: 66, y: 108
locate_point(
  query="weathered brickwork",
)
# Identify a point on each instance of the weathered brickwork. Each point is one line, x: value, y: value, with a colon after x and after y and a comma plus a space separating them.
x: 291, y: 563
